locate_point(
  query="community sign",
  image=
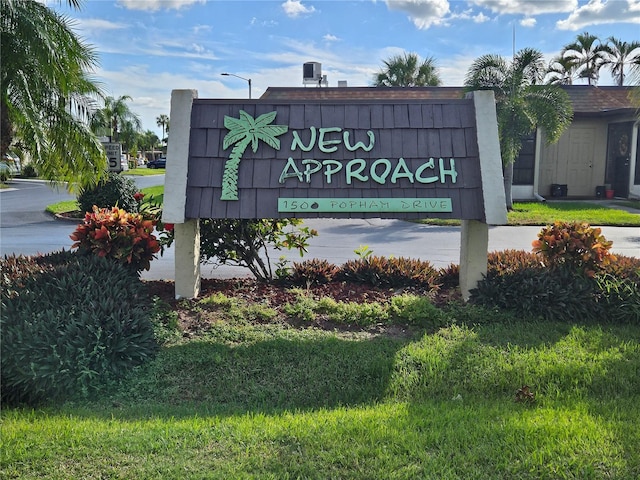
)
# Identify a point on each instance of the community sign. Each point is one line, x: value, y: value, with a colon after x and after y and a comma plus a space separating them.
x: 342, y: 159
x: 360, y: 159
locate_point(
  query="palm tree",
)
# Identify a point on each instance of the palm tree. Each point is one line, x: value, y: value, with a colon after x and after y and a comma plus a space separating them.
x: 242, y: 131
x: 45, y: 88
x: 408, y: 71
x: 588, y: 52
x: 148, y: 141
x: 618, y: 54
x: 111, y: 118
x: 163, y: 121
x: 522, y: 102
x: 561, y: 71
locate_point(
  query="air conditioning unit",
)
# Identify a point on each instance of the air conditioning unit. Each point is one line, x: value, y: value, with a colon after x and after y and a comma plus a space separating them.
x: 311, y: 73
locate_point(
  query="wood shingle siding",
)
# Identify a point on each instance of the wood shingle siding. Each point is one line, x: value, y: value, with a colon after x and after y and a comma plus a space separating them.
x: 414, y: 130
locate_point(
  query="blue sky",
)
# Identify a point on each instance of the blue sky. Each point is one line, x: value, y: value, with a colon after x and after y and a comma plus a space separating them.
x: 147, y: 48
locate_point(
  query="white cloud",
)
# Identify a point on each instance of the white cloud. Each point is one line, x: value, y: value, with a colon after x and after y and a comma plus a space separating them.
x: 481, y: 18
x: 527, y: 7
x: 155, y: 5
x: 423, y: 13
x: 202, y: 29
x: 528, y: 22
x: 198, y: 48
x: 330, y: 38
x: 452, y: 70
x: 598, y: 12
x: 93, y: 24
x: 295, y: 8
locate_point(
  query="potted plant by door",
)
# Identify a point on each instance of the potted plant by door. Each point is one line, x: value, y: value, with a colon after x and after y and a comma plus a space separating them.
x: 608, y: 191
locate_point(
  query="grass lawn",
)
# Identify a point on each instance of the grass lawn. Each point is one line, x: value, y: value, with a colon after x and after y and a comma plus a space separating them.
x: 144, y: 171
x: 545, y: 213
x: 548, y: 212
x: 72, y: 205
x: 266, y: 400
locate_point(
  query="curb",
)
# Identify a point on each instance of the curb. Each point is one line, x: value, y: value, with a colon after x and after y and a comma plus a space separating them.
x: 62, y: 218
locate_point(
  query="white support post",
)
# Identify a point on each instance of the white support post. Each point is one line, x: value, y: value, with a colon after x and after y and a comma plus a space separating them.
x: 495, y: 202
x: 187, y: 260
x: 474, y: 244
x: 474, y: 241
x: 186, y: 231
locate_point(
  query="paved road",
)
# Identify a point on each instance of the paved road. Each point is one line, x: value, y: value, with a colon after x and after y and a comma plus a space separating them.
x: 26, y: 229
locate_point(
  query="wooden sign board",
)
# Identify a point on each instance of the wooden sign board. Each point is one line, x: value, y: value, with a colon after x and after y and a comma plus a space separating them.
x: 362, y: 159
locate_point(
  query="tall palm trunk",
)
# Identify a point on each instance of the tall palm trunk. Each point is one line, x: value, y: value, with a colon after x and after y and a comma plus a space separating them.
x: 508, y: 184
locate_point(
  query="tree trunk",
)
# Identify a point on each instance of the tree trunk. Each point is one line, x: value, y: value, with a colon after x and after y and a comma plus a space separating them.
x: 508, y: 182
x: 6, y: 128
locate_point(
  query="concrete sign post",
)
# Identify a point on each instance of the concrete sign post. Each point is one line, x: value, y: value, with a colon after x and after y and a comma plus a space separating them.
x: 340, y: 159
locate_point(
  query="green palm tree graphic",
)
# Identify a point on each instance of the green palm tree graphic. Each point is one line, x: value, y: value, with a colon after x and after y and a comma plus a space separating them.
x: 242, y: 131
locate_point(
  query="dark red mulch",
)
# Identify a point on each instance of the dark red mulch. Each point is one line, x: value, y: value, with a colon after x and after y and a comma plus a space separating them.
x: 279, y: 294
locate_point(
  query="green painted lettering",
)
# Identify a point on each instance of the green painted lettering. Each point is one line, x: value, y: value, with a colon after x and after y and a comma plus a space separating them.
x: 297, y: 142
x: 374, y: 170
x: 309, y: 169
x: 356, y: 172
x: 451, y: 171
x: 290, y: 170
x: 328, y: 171
x: 322, y: 142
x: 353, y: 148
x: 430, y: 164
x: 401, y: 171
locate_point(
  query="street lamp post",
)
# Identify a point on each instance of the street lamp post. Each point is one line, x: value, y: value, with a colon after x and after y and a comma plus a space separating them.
x: 248, y: 80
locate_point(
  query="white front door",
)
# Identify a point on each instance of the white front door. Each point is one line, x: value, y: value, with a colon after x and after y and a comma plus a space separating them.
x: 579, y: 166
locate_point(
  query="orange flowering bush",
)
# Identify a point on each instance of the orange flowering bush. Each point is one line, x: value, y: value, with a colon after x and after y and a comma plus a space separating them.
x: 576, y: 245
x: 115, y: 233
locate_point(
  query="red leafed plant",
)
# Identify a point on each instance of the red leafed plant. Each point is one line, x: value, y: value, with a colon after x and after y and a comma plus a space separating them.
x: 576, y: 245
x: 115, y: 233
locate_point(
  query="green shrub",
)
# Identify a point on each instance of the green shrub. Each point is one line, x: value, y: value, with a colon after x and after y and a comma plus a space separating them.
x: 624, y: 268
x: 5, y: 174
x: 553, y: 294
x: 246, y: 242
x: 313, y: 272
x: 28, y: 171
x: 17, y: 269
x: 619, y: 298
x: 353, y: 313
x: 304, y: 307
x: 449, y: 276
x: 508, y: 261
x: 71, y: 328
x: 118, y: 235
x: 577, y: 246
x: 389, y: 272
x: 111, y: 191
x: 417, y: 310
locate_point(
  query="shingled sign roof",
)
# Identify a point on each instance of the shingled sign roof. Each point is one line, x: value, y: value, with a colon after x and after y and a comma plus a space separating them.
x: 587, y: 100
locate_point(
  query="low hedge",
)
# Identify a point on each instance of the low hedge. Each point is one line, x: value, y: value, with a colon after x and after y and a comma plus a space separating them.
x: 69, y: 328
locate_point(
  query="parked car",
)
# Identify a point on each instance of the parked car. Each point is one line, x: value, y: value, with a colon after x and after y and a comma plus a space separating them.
x: 157, y: 163
x: 12, y: 163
